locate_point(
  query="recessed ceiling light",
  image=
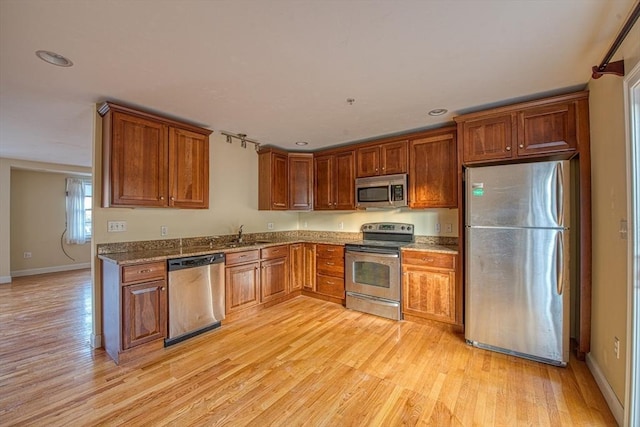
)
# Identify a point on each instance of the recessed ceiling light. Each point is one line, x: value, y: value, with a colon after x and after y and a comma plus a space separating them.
x: 302, y: 143
x: 438, y: 111
x: 53, y: 58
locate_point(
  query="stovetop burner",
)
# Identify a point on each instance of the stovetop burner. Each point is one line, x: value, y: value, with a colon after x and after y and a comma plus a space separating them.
x: 385, y: 234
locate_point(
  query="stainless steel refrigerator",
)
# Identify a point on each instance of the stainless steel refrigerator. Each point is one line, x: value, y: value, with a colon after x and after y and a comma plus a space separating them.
x: 517, y: 259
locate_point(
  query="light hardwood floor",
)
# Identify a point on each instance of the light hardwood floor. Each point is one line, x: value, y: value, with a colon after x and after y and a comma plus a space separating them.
x: 303, y: 362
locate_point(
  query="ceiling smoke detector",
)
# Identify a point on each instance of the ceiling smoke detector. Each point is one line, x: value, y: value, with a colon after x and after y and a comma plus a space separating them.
x: 438, y: 111
x: 350, y: 101
x: 302, y: 143
x: 54, y: 58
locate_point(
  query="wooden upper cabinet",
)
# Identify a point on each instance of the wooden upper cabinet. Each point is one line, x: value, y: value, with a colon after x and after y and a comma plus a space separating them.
x: 273, y: 179
x: 547, y: 129
x: 334, y: 181
x: 488, y: 138
x: 381, y: 159
x: 188, y: 169
x: 542, y: 128
x: 323, y: 183
x: 433, y: 170
x: 151, y: 161
x: 344, y: 189
x: 300, y: 181
x: 136, y: 162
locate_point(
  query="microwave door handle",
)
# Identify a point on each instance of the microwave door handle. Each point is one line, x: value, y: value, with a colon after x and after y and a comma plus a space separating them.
x: 390, y: 194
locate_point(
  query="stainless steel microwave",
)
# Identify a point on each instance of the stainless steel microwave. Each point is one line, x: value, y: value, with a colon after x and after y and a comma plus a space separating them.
x: 387, y: 191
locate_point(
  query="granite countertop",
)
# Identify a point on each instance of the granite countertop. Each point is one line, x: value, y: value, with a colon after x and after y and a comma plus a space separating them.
x: 162, y: 254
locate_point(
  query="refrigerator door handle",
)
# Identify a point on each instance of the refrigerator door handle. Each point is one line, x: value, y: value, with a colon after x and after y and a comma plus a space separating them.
x: 559, y: 195
x: 559, y: 259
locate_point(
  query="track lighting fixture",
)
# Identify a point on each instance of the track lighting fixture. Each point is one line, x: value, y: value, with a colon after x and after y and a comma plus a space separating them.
x: 242, y: 137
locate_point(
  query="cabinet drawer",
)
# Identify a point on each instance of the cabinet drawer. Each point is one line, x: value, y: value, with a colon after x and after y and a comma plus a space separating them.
x: 329, y: 251
x: 275, y: 252
x: 330, y: 266
x: 429, y: 259
x: 144, y: 272
x: 242, y: 257
x: 329, y: 285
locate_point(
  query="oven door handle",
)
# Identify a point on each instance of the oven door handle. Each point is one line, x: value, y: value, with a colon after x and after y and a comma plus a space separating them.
x: 379, y: 252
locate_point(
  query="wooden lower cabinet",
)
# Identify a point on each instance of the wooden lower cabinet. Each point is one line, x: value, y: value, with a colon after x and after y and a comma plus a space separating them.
x: 429, y: 286
x: 134, y: 312
x: 309, y: 276
x: 296, y: 266
x: 144, y: 313
x: 274, y: 276
x: 255, y: 277
x: 242, y: 284
x: 330, y: 270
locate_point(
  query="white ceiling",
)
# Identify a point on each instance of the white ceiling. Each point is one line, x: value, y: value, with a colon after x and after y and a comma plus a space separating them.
x: 281, y: 71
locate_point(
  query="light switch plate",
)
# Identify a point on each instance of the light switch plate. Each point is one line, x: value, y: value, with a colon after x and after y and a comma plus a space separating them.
x: 116, y: 226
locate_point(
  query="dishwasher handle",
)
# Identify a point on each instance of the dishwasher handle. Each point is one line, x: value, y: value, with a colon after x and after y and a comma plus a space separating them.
x: 194, y: 261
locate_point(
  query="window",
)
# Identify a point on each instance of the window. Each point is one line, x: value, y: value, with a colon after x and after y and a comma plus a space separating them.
x: 87, y: 208
x: 79, y: 195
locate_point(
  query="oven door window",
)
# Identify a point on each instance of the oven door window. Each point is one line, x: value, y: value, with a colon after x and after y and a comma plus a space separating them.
x: 372, y: 274
x: 373, y: 194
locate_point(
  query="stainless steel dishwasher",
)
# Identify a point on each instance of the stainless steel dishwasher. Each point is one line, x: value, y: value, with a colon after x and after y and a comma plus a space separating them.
x: 196, y: 295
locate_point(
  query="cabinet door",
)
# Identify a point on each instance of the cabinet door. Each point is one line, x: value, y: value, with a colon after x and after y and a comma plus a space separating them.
x: 344, y: 185
x: 546, y: 130
x: 279, y: 181
x: 323, y: 188
x: 188, y: 169
x: 368, y: 161
x: 138, y: 170
x: 309, y: 282
x: 144, y: 313
x: 433, y: 172
x: 242, y: 286
x: 429, y: 293
x: 301, y: 182
x: 274, y: 279
x: 296, y: 266
x: 488, y: 139
x: 393, y: 158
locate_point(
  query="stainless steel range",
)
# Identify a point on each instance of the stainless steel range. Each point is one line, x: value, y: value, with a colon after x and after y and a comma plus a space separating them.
x: 373, y: 271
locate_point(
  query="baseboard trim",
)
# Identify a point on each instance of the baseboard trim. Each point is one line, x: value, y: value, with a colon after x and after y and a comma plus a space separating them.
x: 5, y: 279
x: 96, y: 340
x: 605, y: 388
x: 34, y: 271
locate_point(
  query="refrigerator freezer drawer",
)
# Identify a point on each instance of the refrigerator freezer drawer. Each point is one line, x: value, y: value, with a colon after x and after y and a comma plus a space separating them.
x: 517, y: 291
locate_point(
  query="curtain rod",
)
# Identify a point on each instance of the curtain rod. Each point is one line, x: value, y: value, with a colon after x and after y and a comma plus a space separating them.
x: 617, y: 67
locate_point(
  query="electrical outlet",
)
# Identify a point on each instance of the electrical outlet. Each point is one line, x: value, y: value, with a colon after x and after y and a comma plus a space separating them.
x: 304, y: 224
x: 270, y: 225
x: 616, y: 347
x: 448, y: 228
x: 623, y: 229
x: 437, y: 227
x: 116, y: 226
x: 27, y: 255
x: 164, y: 230
x: 341, y: 225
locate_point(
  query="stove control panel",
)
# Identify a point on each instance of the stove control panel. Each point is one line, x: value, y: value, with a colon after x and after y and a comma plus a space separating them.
x: 388, y: 227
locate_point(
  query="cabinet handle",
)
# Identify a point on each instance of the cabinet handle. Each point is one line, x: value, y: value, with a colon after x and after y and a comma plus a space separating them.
x: 172, y: 198
x: 161, y: 197
x: 508, y: 148
x: 329, y: 282
x: 427, y: 259
x: 330, y: 263
x: 148, y: 270
x: 162, y: 288
x: 521, y: 146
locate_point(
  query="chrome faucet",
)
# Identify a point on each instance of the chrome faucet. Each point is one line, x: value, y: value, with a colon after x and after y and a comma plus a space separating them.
x: 240, y: 234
